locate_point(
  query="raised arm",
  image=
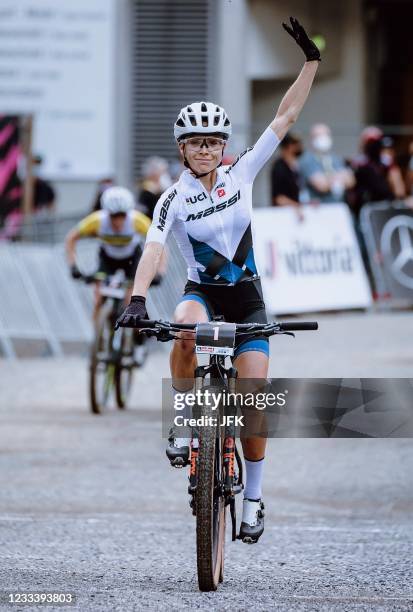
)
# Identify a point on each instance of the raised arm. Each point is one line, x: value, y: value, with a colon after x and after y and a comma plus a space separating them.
x: 295, y: 98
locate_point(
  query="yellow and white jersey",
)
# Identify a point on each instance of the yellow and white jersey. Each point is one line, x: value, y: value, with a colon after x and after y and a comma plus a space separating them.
x: 118, y: 245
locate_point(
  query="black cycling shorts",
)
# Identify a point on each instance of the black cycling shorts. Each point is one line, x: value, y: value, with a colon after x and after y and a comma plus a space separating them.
x: 240, y: 303
x: 109, y: 265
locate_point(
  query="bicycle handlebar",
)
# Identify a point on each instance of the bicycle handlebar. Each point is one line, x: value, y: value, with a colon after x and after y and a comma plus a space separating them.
x: 283, y: 326
x: 299, y: 326
x: 102, y: 277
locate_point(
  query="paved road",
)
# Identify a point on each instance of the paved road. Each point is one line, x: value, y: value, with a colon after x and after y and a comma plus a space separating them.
x: 89, y: 505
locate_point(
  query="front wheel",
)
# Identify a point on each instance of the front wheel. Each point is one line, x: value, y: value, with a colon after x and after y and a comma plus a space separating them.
x: 210, y: 508
x: 102, y: 369
x: 124, y: 368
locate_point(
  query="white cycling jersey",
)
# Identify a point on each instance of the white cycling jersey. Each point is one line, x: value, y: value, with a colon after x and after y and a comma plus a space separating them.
x: 213, y: 231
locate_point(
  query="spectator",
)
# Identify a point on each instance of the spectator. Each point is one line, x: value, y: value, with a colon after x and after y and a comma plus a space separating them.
x: 285, y: 178
x: 388, y: 158
x: 372, y: 175
x: 155, y: 179
x: 326, y: 177
x: 103, y: 184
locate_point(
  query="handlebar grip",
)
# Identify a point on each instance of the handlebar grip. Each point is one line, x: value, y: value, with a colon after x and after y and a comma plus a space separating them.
x: 299, y: 326
x: 145, y: 323
x: 150, y: 323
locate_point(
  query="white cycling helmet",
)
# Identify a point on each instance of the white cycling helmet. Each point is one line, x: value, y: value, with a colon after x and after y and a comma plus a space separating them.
x: 117, y: 200
x: 202, y: 118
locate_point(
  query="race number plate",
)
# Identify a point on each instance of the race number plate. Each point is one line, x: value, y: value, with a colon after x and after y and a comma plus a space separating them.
x: 215, y: 338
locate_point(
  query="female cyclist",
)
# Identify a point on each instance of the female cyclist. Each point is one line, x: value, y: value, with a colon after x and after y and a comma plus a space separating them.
x: 209, y: 211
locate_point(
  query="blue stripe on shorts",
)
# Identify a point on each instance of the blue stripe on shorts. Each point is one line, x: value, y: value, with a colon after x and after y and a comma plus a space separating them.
x: 255, y: 344
x: 196, y: 298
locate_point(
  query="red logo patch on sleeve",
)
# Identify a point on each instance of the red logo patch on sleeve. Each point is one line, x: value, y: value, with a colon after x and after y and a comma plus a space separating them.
x: 221, y: 193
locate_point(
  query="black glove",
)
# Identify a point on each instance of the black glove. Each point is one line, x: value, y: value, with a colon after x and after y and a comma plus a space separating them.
x: 302, y: 39
x: 135, y: 311
x: 75, y: 272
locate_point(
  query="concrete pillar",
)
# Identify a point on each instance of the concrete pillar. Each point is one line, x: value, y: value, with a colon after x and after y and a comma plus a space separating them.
x: 229, y: 83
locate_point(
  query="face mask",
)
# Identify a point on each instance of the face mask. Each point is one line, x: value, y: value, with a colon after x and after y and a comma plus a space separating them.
x: 322, y: 143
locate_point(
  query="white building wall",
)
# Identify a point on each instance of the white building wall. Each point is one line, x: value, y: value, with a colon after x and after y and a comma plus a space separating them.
x: 230, y: 86
x: 76, y: 197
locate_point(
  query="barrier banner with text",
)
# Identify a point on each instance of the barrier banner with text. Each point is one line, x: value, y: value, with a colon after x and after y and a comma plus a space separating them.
x: 310, y: 265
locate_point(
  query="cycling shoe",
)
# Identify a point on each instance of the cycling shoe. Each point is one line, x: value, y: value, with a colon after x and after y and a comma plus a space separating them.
x: 177, y: 450
x: 252, y: 522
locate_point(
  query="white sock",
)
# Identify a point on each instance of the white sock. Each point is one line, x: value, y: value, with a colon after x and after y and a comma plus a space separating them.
x: 186, y: 413
x: 254, y: 473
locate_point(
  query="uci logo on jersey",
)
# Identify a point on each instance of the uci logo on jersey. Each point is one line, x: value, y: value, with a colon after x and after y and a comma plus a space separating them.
x: 198, y: 198
x: 164, y: 210
x: 212, y: 209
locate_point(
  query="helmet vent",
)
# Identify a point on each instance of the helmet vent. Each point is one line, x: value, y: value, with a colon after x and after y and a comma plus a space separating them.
x: 202, y: 118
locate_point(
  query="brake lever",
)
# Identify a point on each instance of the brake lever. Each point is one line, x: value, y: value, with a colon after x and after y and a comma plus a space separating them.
x: 278, y: 333
x: 161, y: 334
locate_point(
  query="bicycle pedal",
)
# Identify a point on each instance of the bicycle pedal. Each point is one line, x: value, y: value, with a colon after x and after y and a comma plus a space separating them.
x: 247, y: 539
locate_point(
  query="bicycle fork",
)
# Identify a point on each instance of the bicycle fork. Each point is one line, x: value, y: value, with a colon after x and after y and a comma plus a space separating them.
x: 232, y: 483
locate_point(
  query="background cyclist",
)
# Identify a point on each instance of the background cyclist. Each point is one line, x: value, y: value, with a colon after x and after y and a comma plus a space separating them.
x: 209, y: 212
x: 120, y: 228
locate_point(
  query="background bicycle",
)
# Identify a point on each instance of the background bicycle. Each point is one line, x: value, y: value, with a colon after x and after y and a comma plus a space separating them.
x: 114, y: 354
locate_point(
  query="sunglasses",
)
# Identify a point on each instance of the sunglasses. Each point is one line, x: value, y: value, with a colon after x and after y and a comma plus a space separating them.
x: 211, y: 142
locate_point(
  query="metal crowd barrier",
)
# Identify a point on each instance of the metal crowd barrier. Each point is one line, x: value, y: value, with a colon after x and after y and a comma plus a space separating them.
x: 40, y: 301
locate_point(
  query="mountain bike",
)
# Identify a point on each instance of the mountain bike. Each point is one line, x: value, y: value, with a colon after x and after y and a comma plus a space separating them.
x: 215, y: 466
x: 112, y: 355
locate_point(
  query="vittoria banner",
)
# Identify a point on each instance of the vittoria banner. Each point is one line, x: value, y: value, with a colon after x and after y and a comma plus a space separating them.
x: 312, y: 264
